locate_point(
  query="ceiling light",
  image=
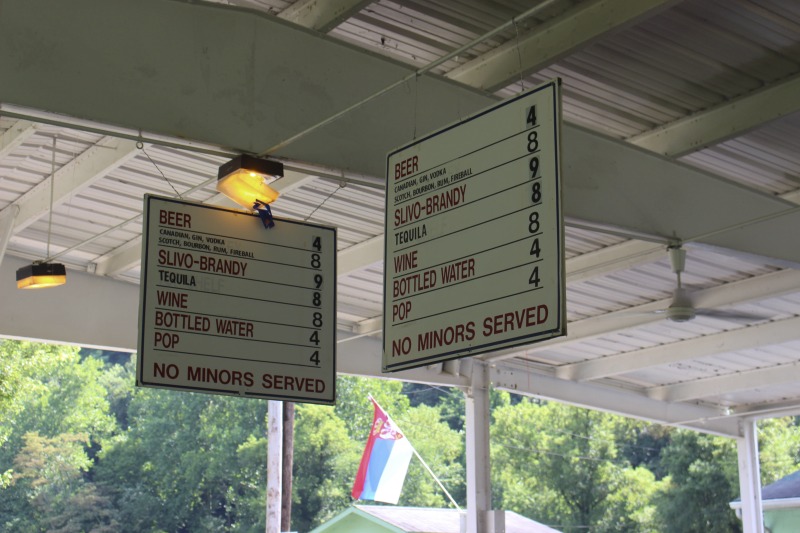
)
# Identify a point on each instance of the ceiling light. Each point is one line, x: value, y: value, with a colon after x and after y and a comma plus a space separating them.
x: 245, y: 179
x: 41, y: 275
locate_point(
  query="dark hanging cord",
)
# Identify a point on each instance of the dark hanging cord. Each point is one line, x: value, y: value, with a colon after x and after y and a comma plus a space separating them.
x: 52, y: 190
x: 140, y: 146
x: 519, y: 58
x: 416, y: 104
x: 342, y: 185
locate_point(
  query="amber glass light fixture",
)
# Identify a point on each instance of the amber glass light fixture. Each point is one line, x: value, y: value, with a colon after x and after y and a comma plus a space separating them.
x: 41, y: 275
x: 245, y: 179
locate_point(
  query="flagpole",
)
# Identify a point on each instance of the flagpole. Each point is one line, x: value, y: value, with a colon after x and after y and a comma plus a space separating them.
x: 421, y: 460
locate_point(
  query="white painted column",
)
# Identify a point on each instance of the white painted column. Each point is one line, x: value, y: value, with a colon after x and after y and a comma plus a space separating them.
x: 479, y: 494
x: 750, y: 479
x: 274, y: 465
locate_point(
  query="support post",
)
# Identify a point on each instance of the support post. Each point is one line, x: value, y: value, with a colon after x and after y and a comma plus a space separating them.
x: 750, y: 479
x: 274, y: 465
x: 479, y: 495
x: 288, y: 463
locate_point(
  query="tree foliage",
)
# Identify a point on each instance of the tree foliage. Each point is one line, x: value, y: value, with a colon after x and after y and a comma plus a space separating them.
x: 83, y: 450
x: 187, y: 449
x: 54, y: 419
x: 326, y: 459
x: 702, y: 480
x: 562, y: 465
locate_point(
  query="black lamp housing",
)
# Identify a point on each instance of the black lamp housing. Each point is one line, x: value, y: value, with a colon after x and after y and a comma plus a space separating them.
x: 39, y: 275
x: 251, y: 164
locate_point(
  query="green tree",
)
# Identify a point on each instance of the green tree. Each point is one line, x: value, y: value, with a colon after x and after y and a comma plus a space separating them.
x: 51, y: 473
x: 355, y: 409
x: 443, y: 451
x: 631, y: 507
x: 449, y: 400
x: 119, y: 380
x: 188, y: 462
x: 779, y: 448
x: 560, y: 465
x: 51, y: 391
x: 52, y: 466
x: 703, y: 474
x: 641, y: 444
x: 702, y: 480
x: 326, y: 461
x: 49, y: 395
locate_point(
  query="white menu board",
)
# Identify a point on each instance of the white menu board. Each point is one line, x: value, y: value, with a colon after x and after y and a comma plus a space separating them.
x: 474, y: 258
x: 228, y: 306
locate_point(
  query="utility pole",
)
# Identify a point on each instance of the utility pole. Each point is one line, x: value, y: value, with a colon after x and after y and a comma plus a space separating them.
x: 274, y: 465
x: 288, y: 462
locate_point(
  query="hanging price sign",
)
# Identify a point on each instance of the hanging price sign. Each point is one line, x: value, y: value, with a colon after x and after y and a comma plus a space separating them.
x: 474, y: 258
x: 230, y: 307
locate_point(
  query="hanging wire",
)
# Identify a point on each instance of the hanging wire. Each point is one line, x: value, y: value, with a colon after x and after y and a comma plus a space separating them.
x: 140, y: 146
x: 125, y: 223
x: 342, y: 185
x: 519, y: 58
x: 416, y: 105
x: 419, y: 72
x: 52, y: 189
x: 290, y: 140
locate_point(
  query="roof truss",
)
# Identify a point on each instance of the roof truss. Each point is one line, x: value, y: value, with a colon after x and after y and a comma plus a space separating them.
x: 608, y: 183
x: 553, y: 40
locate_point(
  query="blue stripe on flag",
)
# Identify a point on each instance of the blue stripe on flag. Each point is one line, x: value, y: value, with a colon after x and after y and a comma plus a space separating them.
x: 377, y: 464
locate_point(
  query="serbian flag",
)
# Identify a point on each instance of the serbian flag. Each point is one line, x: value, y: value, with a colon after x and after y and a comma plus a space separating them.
x: 385, y: 461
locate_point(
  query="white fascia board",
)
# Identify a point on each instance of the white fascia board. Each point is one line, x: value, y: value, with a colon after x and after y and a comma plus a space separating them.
x: 119, y: 260
x: 613, y: 183
x: 515, y: 378
x: 369, y: 326
x: 90, y: 166
x: 793, y: 196
x: 717, y: 386
x: 360, y: 255
x: 322, y: 16
x: 361, y: 356
x: 723, y: 122
x: 228, y: 76
x: 555, y: 39
x: 7, y: 217
x: 729, y: 341
x: 779, y: 503
x: 14, y: 136
x: 622, y: 256
x: 87, y: 311
x: 770, y: 285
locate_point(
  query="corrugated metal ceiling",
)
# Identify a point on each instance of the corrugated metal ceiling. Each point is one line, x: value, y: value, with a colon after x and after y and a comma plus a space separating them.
x: 681, y: 61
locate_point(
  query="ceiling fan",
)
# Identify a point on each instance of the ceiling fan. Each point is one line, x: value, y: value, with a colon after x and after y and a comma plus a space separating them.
x: 683, y: 309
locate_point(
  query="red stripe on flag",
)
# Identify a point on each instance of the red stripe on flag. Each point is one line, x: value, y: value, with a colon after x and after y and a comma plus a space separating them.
x: 378, y: 419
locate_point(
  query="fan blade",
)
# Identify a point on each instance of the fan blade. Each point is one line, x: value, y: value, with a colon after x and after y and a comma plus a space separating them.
x: 736, y: 316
